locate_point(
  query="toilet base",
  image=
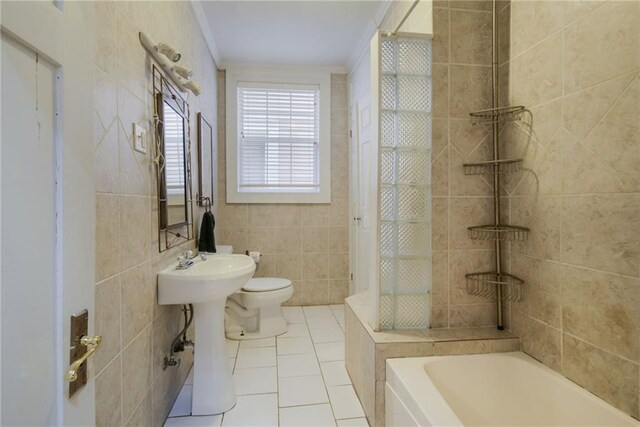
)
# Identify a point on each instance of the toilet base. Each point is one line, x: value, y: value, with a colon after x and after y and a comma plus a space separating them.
x: 269, y: 322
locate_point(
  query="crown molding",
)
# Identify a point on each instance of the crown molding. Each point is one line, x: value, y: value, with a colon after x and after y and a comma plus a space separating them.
x: 205, y: 29
x: 362, y: 47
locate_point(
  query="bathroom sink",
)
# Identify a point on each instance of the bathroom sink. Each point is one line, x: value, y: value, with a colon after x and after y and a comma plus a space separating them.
x: 216, y: 277
x: 206, y: 284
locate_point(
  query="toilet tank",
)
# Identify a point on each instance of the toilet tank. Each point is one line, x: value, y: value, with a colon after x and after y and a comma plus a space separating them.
x: 224, y: 249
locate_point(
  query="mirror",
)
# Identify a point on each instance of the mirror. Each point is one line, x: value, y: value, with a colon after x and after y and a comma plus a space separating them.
x: 206, y: 160
x: 173, y: 161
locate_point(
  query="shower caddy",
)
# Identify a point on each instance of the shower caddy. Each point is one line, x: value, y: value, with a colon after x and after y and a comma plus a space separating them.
x: 496, y: 284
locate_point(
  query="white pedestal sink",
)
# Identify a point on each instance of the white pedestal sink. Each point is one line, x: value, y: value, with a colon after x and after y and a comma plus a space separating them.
x: 206, y: 285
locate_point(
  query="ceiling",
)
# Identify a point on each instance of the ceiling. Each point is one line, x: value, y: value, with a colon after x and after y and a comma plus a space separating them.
x: 308, y: 32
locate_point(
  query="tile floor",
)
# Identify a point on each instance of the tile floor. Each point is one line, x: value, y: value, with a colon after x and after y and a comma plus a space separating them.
x: 297, y: 379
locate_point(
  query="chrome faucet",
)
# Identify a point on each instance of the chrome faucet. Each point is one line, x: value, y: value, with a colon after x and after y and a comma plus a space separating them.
x: 184, y: 261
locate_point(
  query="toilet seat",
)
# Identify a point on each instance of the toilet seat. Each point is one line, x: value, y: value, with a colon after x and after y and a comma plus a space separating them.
x: 266, y: 284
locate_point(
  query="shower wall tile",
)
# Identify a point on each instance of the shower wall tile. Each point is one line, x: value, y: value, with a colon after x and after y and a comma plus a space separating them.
x: 308, y: 244
x: 538, y: 71
x: 603, y: 309
x: 478, y: 5
x: 602, y: 232
x: 538, y: 339
x: 462, y: 83
x: 541, y: 215
x: 470, y: 89
x: 470, y: 37
x: 612, y: 34
x: 606, y: 375
x: 548, y: 19
x: 440, y: 41
x: 542, y: 297
x: 579, y: 192
x: 440, y: 77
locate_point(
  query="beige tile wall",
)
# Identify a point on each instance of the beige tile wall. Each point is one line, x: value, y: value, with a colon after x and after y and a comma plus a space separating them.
x: 306, y: 243
x: 131, y: 387
x: 461, y: 84
x: 576, y: 65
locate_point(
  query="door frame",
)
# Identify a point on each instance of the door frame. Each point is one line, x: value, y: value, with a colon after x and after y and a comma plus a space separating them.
x: 64, y: 34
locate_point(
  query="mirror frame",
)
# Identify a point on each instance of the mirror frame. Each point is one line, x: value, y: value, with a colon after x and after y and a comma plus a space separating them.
x: 171, y: 235
x: 202, y: 173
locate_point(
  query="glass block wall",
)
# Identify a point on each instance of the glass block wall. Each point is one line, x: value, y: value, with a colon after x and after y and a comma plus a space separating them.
x: 405, y: 182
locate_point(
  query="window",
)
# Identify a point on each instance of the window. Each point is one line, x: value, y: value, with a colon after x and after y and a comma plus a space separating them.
x: 278, y: 143
x: 278, y: 136
x: 173, y: 151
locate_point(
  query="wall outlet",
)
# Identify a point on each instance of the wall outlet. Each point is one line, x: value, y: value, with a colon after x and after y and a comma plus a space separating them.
x: 139, y: 138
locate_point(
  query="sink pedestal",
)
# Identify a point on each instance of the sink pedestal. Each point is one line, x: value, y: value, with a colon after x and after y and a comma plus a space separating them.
x: 213, y: 388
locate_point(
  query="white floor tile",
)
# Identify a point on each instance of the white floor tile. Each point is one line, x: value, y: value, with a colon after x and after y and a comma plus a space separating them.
x: 296, y: 330
x: 256, y: 380
x: 337, y: 307
x: 316, y: 310
x: 296, y: 365
x: 297, y: 391
x: 307, y: 416
x: 253, y: 411
x: 344, y: 402
x: 339, y: 315
x: 353, y: 422
x: 298, y: 345
x: 330, y: 351
x: 335, y: 373
x: 256, y: 357
x: 206, y: 421
x: 263, y: 342
x: 182, y: 405
x: 189, y: 379
x: 322, y: 322
x: 293, y: 314
x: 232, y: 348
x: 332, y: 334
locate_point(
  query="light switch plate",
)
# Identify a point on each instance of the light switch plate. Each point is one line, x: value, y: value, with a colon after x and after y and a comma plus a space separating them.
x: 139, y: 138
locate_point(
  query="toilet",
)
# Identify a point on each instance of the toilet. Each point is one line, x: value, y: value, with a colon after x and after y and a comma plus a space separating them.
x: 255, y: 311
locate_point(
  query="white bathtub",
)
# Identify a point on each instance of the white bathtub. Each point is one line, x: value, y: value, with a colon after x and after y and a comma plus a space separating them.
x: 504, y: 389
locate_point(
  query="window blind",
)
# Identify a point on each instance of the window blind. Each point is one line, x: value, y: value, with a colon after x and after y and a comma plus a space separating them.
x: 278, y: 135
x: 173, y: 151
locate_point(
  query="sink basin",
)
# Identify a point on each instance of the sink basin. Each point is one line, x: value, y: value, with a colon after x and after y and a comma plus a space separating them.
x: 217, y: 277
x: 206, y: 285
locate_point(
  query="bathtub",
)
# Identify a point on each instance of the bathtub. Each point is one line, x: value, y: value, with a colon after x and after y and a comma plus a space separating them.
x: 503, y: 389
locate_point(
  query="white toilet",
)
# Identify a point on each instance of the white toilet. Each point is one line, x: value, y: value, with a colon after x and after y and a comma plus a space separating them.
x: 255, y: 311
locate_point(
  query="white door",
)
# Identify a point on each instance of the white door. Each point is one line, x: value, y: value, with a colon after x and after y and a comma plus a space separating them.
x: 354, y: 204
x: 366, y: 191
x: 47, y: 212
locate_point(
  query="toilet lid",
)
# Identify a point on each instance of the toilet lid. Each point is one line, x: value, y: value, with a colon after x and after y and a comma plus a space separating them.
x: 264, y: 284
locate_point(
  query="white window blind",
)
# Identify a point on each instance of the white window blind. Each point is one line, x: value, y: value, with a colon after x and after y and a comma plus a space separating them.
x: 173, y: 151
x: 278, y: 136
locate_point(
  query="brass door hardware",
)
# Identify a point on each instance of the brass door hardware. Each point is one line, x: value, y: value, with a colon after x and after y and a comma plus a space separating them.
x: 81, y: 346
x: 72, y: 373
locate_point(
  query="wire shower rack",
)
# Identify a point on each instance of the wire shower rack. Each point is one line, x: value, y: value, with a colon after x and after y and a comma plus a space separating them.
x: 496, y: 285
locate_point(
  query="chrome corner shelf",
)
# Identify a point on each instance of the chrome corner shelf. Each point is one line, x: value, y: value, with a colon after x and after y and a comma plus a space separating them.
x: 497, y: 115
x: 509, y: 233
x: 491, y: 167
x: 485, y: 284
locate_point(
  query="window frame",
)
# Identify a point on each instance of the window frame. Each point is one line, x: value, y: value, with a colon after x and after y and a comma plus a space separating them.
x: 277, y: 77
